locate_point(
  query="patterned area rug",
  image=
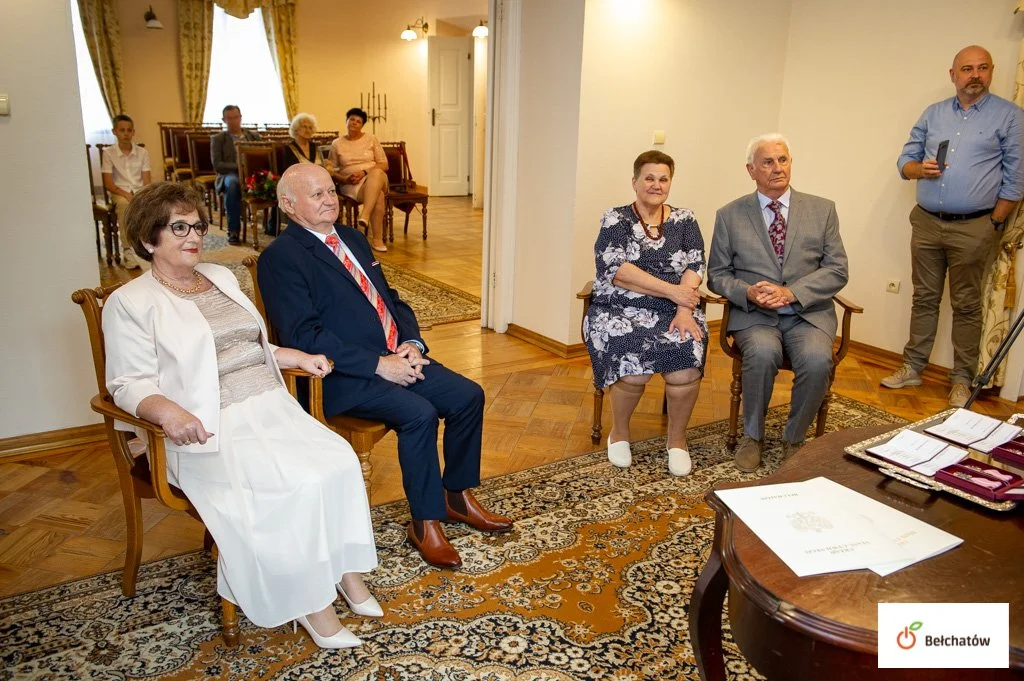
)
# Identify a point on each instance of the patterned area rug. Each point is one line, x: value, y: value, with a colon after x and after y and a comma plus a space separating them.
x: 433, y: 301
x: 594, y: 584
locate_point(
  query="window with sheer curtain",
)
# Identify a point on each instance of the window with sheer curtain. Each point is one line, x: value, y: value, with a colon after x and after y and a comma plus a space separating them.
x: 95, y: 118
x: 242, y: 71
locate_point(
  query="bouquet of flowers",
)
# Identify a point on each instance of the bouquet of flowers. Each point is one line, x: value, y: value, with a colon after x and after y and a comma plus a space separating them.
x: 262, y: 185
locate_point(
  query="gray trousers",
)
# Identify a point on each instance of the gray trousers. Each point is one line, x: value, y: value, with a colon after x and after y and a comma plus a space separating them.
x: 963, y: 248
x: 809, y: 350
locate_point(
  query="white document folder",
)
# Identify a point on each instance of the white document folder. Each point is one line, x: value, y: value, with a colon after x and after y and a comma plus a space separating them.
x: 819, y: 526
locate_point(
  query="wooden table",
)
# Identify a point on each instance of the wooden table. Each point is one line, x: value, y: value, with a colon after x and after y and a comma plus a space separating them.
x: 824, y: 627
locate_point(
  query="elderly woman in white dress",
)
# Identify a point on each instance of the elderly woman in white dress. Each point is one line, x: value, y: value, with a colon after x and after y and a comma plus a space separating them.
x: 281, y: 494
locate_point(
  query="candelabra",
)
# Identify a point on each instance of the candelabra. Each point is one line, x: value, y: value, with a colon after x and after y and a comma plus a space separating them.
x: 374, y: 111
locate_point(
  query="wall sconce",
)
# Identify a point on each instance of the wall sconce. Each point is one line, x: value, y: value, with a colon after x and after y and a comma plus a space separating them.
x: 410, y: 30
x: 481, y: 30
x: 151, y: 20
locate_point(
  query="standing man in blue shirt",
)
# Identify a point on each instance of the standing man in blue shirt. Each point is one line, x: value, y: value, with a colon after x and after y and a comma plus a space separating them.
x: 960, y: 212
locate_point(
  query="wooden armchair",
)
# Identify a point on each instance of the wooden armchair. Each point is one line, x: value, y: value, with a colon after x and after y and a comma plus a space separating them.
x: 182, y: 169
x: 204, y: 175
x: 728, y: 345
x: 586, y: 294
x: 403, y: 192
x: 254, y: 157
x: 103, y: 215
x: 362, y: 434
x: 142, y: 476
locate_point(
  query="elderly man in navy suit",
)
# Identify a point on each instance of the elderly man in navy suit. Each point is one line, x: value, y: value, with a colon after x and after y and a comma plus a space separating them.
x: 325, y: 292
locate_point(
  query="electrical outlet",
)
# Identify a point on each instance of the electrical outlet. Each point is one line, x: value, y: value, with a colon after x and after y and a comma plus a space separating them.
x: 892, y: 286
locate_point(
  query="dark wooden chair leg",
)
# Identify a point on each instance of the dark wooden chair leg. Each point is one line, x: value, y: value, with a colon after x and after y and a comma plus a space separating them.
x: 405, y: 230
x: 736, y: 392
x: 229, y: 623
x: 595, y: 430
x: 424, y: 220
x: 706, y: 615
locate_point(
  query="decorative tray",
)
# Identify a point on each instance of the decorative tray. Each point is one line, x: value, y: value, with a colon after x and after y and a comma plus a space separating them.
x: 916, y: 479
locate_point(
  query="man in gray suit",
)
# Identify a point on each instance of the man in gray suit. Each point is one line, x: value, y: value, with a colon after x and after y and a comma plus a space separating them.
x: 777, y: 256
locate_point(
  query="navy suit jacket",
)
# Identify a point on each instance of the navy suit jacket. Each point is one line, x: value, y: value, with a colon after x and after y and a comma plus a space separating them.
x: 316, y: 306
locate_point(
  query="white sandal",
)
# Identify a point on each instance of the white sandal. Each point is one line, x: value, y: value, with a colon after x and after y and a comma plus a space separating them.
x: 619, y: 453
x: 679, y: 461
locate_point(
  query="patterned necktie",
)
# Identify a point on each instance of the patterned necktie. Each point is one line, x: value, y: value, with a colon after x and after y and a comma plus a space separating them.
x: 386, y: 320
x: 777, y: 230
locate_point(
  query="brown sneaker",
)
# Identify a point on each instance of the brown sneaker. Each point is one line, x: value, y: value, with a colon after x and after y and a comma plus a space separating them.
x: 959, y: 395
x: 748, y: 454
x: 790, y: 448
x: 902, y: 377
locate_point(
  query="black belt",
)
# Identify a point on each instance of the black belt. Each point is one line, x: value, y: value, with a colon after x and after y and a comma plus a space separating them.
x: 956, y: 217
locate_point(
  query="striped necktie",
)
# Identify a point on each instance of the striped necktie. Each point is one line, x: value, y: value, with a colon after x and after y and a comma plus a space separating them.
x: 366, y: 286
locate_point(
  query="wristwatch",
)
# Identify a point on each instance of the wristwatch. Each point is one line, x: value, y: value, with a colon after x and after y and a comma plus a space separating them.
x: 996, y: 224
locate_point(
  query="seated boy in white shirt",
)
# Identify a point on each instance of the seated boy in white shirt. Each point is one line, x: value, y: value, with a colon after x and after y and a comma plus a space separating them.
x: 125, y: 168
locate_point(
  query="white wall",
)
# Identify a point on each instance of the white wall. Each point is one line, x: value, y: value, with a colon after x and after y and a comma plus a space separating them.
x: 856, y: 80
x: 48, y: 243
x: 548, y: 121
x: 711, y: 80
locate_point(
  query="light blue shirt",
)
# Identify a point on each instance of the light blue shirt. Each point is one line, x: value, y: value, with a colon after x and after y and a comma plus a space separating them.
x: 984, y: 157
x: 769, y: 217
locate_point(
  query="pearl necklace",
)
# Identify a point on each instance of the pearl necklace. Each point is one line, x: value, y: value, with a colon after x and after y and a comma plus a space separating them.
x: 192, y: 289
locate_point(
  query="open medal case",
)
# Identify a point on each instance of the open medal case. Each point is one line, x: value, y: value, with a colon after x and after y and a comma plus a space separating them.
x: 994, y: 480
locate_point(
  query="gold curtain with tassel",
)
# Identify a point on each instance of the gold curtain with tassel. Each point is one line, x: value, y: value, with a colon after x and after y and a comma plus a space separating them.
x: 103, y: 38
x: 239, y: 9
x: 1000, y: 290
x: 279, y: 22
x: 195, y: 31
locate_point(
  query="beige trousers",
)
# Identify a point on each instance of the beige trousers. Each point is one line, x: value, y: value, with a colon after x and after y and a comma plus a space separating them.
x: 962, y: 248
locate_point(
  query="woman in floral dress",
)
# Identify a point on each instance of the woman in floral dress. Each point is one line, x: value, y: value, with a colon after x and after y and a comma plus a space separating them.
x: 644, y: 317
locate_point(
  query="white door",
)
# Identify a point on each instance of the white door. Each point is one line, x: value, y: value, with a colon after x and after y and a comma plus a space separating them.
x: 449, y: 79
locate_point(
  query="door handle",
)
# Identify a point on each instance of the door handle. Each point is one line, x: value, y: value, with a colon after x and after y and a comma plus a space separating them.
x: 433, y: 117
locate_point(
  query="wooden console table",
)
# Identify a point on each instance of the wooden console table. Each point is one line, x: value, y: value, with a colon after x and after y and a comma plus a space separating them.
x: 824, y: 627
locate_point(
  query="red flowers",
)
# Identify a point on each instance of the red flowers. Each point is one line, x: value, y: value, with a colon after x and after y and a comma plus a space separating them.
x: 262, y: 185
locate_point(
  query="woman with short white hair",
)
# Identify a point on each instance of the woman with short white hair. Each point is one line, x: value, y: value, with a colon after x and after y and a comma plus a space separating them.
x: 301, y: 149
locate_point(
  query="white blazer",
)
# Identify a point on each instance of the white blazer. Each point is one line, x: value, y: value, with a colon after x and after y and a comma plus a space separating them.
x: 160, y: 344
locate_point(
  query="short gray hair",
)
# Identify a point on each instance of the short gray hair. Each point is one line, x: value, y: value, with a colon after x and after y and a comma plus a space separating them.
x: 297, y: 121
x: 756, y: 142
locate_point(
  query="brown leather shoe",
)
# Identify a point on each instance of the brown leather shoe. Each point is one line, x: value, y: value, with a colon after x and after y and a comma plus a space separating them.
x: 428, y: 538
x: 464, y: 508
x: 748, y: 455
x: 790, y: 448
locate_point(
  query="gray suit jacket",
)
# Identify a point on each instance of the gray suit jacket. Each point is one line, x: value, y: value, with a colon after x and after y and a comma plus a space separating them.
x: 222, y: 152
x: 814, y: 266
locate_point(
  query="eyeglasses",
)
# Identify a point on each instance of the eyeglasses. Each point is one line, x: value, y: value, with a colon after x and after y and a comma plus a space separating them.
x: 182, y: 228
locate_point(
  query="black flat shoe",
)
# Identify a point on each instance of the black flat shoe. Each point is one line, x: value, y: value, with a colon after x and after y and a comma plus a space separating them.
x: 233, y: 239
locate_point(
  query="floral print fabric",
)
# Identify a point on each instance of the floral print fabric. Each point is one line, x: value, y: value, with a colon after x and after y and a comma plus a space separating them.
x: 627, y: 332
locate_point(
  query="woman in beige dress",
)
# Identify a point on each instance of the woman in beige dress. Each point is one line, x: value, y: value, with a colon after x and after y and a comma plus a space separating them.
x: 358, y: 164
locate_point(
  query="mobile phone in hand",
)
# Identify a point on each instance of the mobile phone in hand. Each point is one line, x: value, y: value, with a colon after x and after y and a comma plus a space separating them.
x: 940, y: 155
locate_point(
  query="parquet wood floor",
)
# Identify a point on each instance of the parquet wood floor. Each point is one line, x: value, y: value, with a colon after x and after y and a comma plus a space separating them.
x: 61, y: 516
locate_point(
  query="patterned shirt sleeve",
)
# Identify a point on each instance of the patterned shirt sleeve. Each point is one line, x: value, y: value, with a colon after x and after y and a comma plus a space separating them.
x: 609, y: 251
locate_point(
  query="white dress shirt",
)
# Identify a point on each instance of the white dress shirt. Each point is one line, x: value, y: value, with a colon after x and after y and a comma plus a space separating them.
x: 127, y: 168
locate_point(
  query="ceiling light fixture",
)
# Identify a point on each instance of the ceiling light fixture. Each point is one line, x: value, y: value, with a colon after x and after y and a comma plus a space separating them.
x: 481, y: 30
x: 410, y: 30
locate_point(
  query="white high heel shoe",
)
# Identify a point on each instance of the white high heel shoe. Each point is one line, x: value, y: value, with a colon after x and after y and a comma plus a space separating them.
x: 619, y: 453
x: 343, y: 639
x: 368, y: 608
x: 679, y: 461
